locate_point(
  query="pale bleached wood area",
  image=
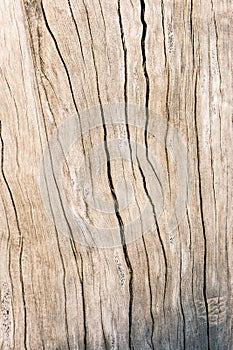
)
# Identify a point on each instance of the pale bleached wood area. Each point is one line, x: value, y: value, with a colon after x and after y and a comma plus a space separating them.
x: 116, y: 177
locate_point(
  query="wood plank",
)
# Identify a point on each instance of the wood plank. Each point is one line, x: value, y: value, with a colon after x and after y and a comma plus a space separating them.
x: 116, y: 174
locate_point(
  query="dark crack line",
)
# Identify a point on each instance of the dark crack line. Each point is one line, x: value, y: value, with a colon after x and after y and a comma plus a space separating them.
x: 73, y: 248
x: 72, y: 238
x: 144, y: 64
x: 164, y: 37
x: 69, y: 80
x: 66, y: 69
x: 146, y: 75
x: 6, y: 182
x: 60, y: 56
x: 167, y: 92
x: 202, y: 213
x: 110, y: 180
x: 167, y: 129
x: 157, y: 225
x: 41, y: 61
x: 23, y: 294
x: 58, y: 243
x: 192, y: 263
x: 102, y: 15
x: 40, y: 326
x: 63, y: 269
x: 125, y: 82
x: 180, y: 286
x: 219, y: 69
x: 143, y: 49
x: 50, y: 108
x: 112, y: 189
x: 125, y: 89
x: 193, y: 292
x: 150, y: 291
x: 210, y: 139
x: 84, y: 306
x: 191, y: 29
x: 144, y: 32
x: 76, y: 28
x: 191, y: 17
x: 13, y: 98
x: 72, y: 243
x: 20, y: 237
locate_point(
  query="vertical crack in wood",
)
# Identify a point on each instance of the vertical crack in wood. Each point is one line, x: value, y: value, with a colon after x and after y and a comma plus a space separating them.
x: 112, y: 189
x: 201, y: 213
x: 130, y: 148
x: 60, y: 56
x: 167, y: 68
x: 210, y: 144
x: 125, y: 81
x: 7, y: 184
x: 75, y: 104
x: 71, y: 240
x: 191, y: 18
x: 164, y: 37
x: 84, y: 307
x: 143, y: 38
x: 181, y: 303
x: 143, y: 49
x: 146, y: 75
x: 77, y: 31
x: 158, y: 229
x: 20, y: 237
x: 65, y: 67
x: 192, y: 31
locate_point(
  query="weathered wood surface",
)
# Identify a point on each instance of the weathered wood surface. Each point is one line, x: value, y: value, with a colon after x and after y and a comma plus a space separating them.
x: 160, y: 291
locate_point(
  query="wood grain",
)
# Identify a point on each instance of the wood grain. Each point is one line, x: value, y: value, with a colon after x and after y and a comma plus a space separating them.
x: 159, y: 291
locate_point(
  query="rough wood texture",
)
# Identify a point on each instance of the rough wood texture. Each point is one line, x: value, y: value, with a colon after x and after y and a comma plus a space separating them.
x: 160, y: 291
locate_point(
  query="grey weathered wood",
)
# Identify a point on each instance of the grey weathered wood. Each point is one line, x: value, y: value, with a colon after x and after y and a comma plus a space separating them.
x: 59, y: 58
